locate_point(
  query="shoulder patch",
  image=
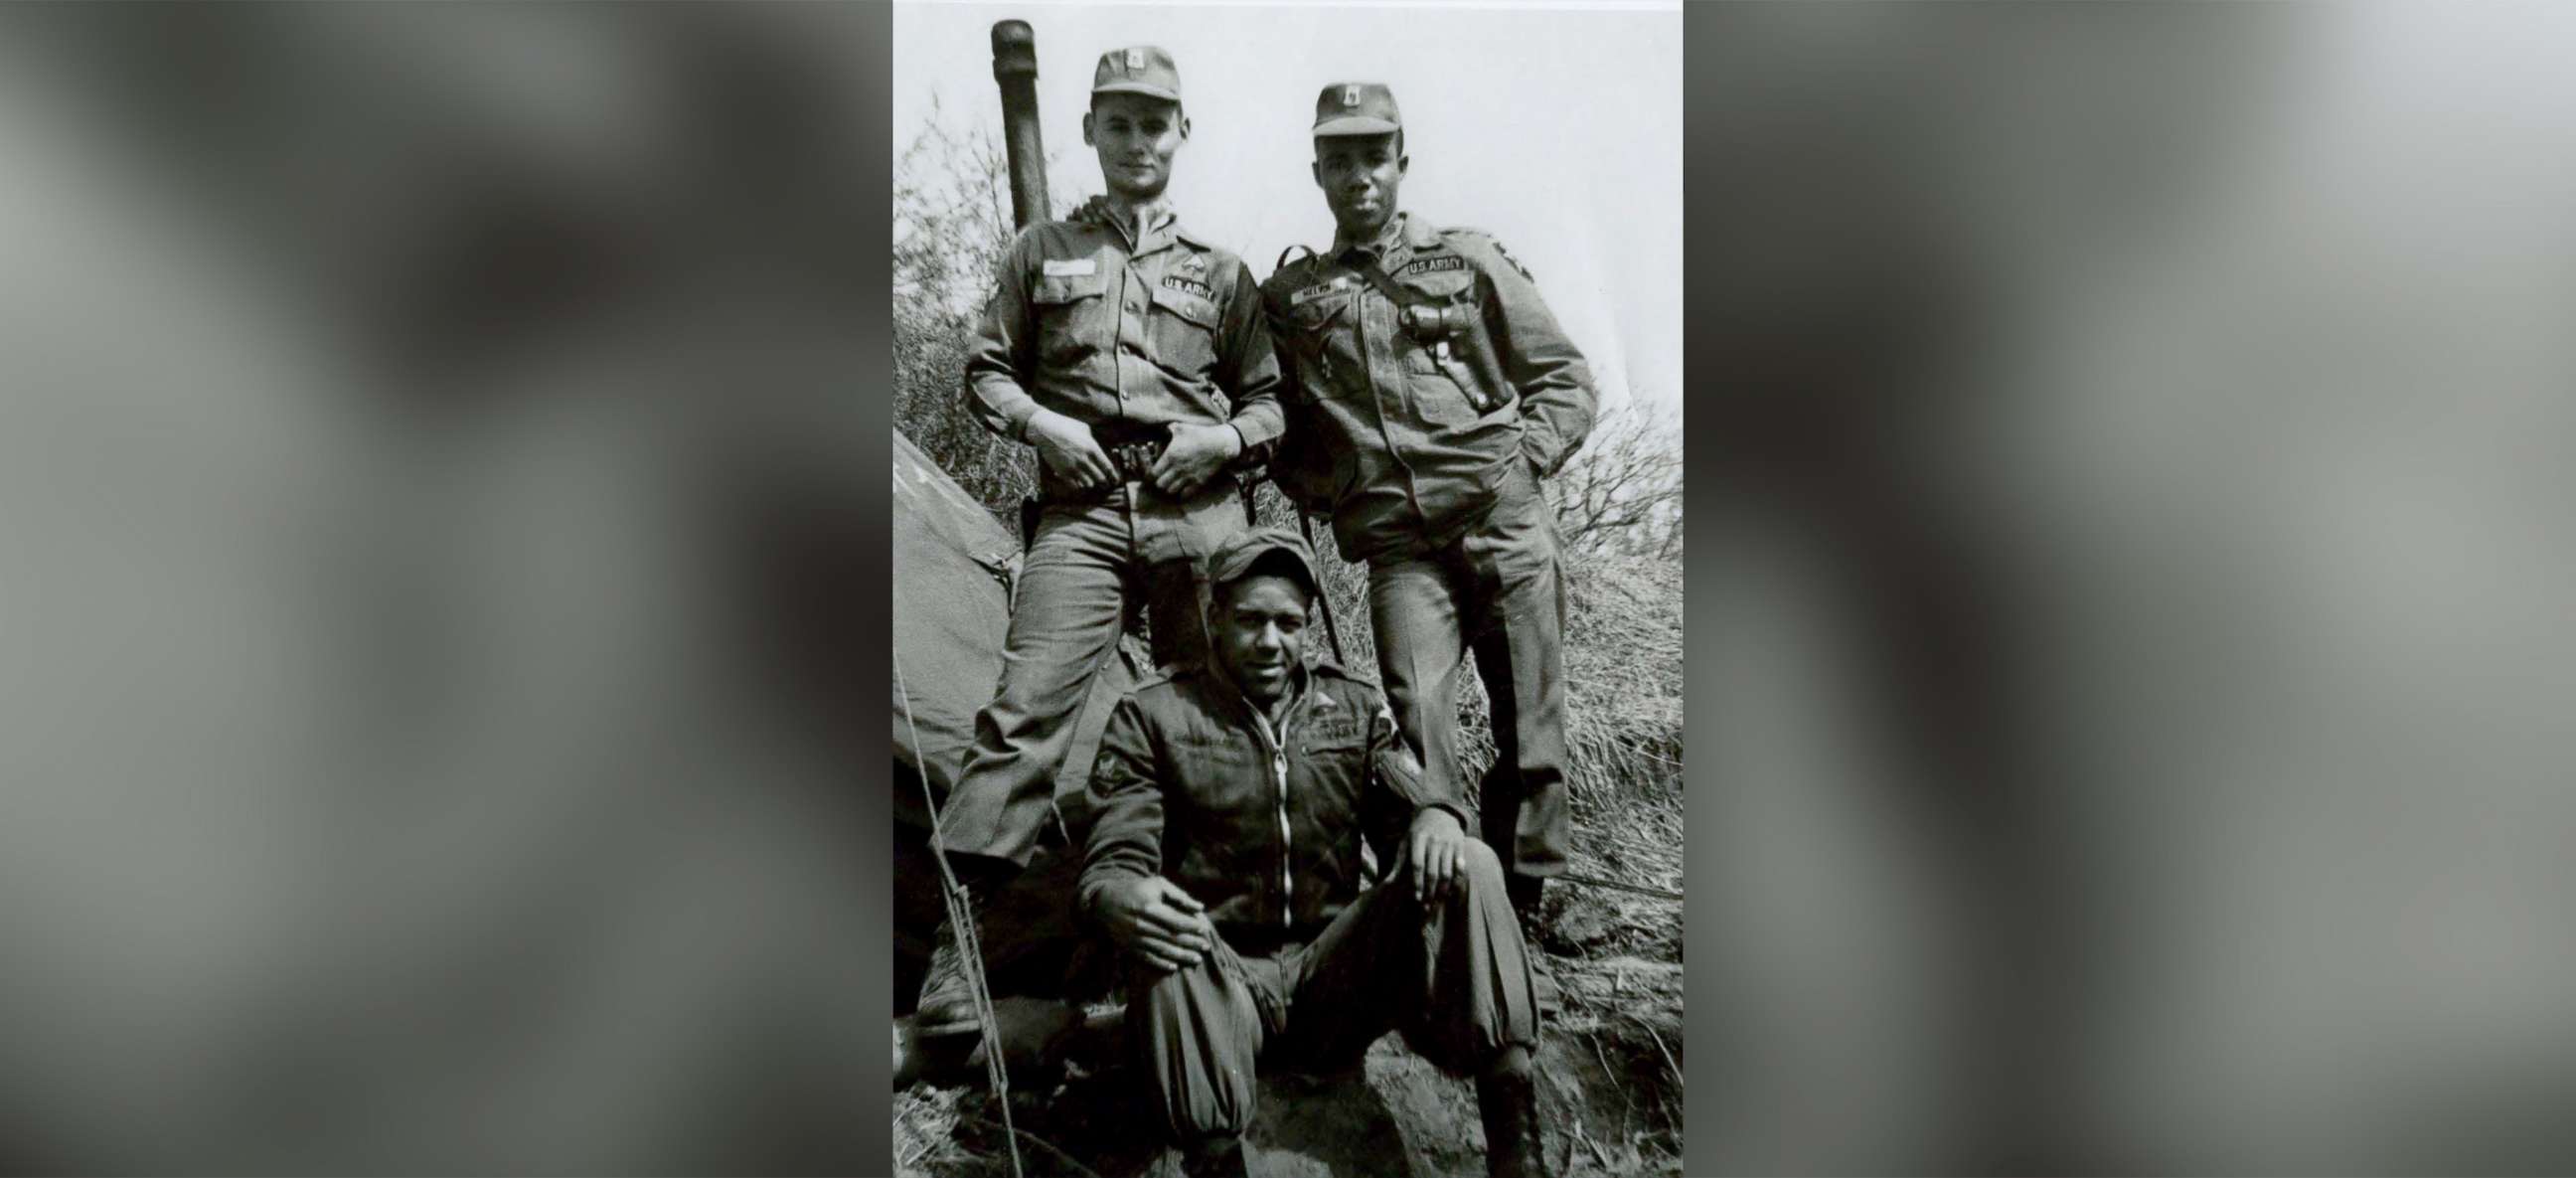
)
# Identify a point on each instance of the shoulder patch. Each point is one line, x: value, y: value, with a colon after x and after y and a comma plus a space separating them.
x: 1488, y: 240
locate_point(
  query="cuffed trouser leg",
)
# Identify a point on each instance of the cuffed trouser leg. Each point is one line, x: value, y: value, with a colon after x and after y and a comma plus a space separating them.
x: 1201, y: 1033
x: 1454, y: 979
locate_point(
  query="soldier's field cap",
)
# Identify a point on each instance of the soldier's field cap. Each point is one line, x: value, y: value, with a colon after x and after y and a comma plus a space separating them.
x: 1356, y: 108
x: 1237, y: 556
x: 1138, y: 69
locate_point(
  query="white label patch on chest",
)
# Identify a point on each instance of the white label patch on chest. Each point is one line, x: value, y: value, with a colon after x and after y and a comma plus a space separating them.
x: 1069, y: 267
x: 1319, y: 290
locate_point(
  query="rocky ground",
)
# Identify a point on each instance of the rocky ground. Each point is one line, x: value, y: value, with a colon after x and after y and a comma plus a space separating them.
x: 1611, y: 1064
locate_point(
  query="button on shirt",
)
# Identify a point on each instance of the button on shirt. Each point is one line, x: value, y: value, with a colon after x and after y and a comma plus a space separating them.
x: 1127, y: 337
x: 1421, y: 363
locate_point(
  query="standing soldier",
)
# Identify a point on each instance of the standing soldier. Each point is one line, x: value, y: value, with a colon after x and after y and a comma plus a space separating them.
x: 1430, y: 390
x: 1134, y: 356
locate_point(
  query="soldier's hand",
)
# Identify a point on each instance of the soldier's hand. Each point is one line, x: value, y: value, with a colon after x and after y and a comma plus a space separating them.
x: 1067, y: 448
x: 1433, y: 850
x: 1157, y: 921
x: 1196, y: 454
x: 1094, y: 211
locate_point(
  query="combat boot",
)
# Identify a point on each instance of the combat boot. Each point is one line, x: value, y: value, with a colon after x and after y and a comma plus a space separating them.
x: 1507, y: 1103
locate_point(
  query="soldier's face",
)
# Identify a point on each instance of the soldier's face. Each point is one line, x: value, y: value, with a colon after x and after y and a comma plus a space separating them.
x: 1261, y: 634
x: 1135, y: 136
x: 1359, y: 175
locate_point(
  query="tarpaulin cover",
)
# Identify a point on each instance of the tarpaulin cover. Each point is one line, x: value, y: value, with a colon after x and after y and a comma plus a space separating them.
x: 951, y: 611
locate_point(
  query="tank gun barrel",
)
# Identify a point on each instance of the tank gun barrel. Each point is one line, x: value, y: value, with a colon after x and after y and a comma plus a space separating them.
x: 1015, y: 69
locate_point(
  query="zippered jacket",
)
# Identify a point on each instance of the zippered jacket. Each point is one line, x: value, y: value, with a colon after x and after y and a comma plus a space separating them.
x: 1266, y: 830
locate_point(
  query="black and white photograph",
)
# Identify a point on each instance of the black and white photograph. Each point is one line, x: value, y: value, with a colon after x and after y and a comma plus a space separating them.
x: 1287, y: 579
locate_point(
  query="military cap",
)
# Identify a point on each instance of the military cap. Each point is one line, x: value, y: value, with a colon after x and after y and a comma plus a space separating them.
x: 1138, y: 69
x: 1356, y: 108
x: 1238, y: 554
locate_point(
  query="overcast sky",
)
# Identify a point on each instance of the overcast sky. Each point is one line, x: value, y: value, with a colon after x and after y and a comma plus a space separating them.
x: 1557, y: 129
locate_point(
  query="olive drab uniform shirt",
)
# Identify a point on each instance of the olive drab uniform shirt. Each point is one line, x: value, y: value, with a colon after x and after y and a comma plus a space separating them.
x: 1127, y: 338
x: 1421, y: 365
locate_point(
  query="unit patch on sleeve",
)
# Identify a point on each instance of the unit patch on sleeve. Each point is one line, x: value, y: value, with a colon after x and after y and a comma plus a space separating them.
x: 1440, y: 262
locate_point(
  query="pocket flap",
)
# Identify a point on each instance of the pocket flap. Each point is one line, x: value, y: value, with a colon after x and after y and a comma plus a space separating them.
x: 1068, y: 288
x: 1440, y: 285
x: 1186, y: 305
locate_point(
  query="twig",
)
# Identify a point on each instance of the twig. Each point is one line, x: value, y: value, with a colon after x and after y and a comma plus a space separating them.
x: 1659, y: 1046
x: 1042, y: 1143
x: 1595, y: 1146
x: 970, y: 948
x: 1641, y: 890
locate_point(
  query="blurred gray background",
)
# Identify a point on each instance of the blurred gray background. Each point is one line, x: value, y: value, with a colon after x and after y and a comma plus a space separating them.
x: 2130, y: 459
x: 431, y: 566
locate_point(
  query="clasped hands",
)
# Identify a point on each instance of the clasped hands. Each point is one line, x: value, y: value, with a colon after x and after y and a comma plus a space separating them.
x: 1196, y: 454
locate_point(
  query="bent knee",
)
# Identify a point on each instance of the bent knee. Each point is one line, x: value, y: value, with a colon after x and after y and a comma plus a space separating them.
x: 1480, y: 864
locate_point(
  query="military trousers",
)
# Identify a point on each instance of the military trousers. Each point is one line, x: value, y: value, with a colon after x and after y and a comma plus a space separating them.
x: 1089, y: 565
x: 1497, y: 589
x: 1453, y: 977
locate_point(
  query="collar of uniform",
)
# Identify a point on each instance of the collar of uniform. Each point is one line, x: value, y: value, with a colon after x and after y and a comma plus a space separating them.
x: 1157, y: 226
x: 1381, y: 244
x: 1297, y: 685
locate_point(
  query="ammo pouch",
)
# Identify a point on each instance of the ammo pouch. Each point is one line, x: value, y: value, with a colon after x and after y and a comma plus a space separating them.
x: 1450, y: 333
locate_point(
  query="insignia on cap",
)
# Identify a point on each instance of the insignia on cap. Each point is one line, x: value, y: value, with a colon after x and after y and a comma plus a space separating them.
x: 1135, y: 60
x: 1350, y: 96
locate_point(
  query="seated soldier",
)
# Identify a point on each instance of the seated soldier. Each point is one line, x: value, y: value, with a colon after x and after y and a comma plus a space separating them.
x: 1233, y: 798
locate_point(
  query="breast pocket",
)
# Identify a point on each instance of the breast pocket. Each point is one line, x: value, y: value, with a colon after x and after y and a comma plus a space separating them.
x: 1068, y: 310
x: 1184, y: 332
